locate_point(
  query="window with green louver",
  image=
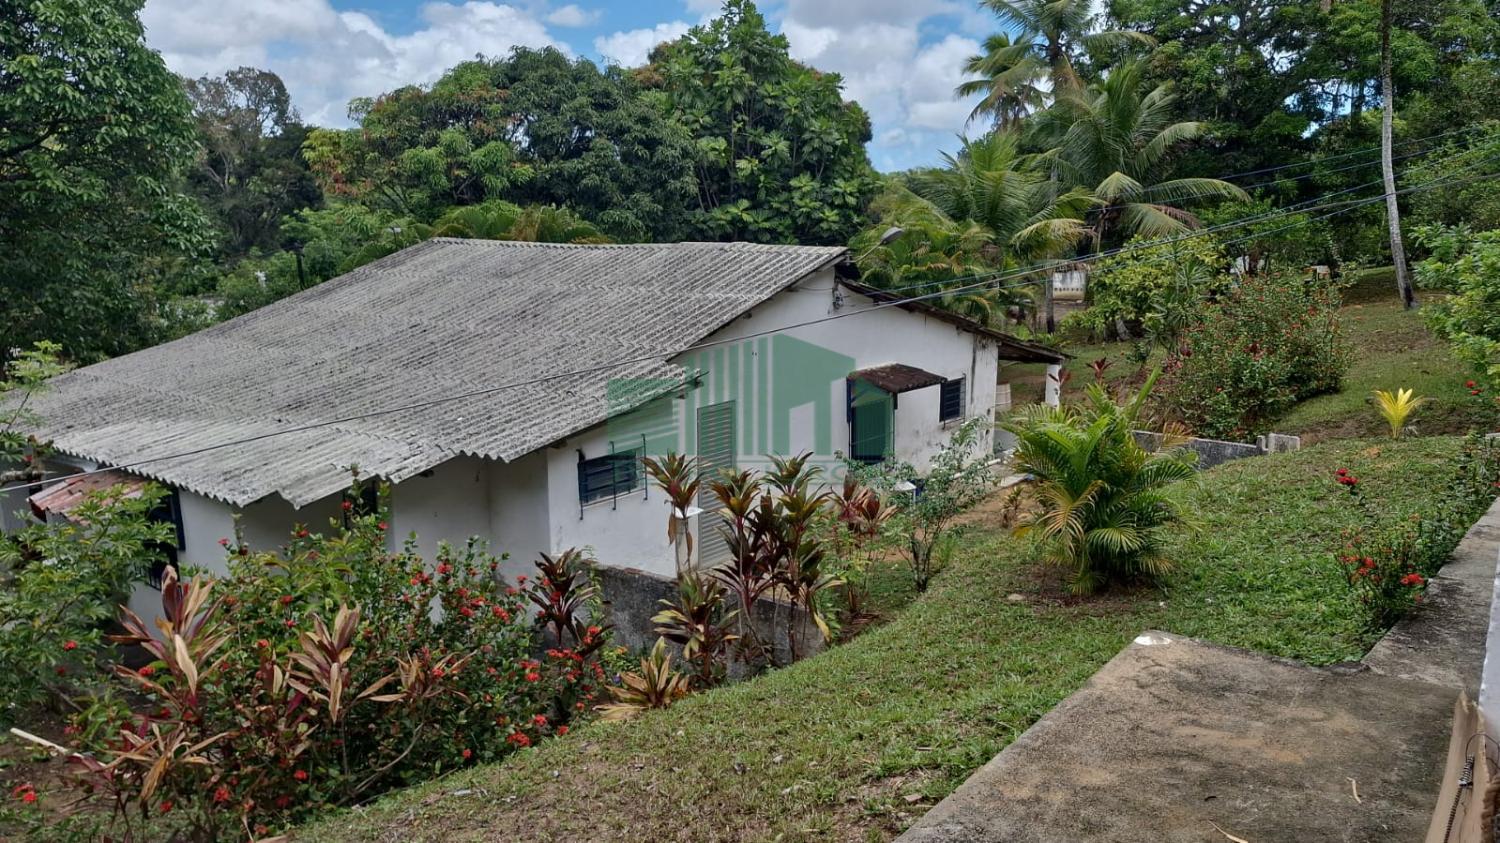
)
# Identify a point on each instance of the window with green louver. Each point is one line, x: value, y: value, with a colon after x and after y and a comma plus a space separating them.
x: 715, y: 453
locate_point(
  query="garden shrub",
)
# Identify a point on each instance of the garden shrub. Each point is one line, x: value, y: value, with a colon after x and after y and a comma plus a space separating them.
x: 1268, y: 343
x: 1150, y: 290
x: 1387, y: 564
x: 60, y: 584
x: 1467, y: 264
x: 958, y: 478
x: 332, y: 670
x: 1105, y: 501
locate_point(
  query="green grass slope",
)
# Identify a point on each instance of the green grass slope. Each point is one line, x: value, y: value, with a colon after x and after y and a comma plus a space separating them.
x: 856, y: 743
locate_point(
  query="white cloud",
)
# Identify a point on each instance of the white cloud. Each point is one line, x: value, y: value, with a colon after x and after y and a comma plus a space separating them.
x: 630, y: 48
x: 905, y: 84
x: 572, y: 15
x: 328, y: 57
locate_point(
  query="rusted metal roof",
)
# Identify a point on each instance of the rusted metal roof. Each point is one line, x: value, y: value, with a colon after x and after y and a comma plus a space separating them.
x: 897, y: 378
x: 69, y: 492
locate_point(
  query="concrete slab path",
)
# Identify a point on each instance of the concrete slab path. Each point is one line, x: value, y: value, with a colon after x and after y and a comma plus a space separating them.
x: 1180, y: 741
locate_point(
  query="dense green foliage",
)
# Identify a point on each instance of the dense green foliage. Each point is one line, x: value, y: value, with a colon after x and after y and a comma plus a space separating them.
x: 1271, y: 341
x: 63, y: 583
x: 94, y: 135
x: 782, y: 154
x: 1467, y: 264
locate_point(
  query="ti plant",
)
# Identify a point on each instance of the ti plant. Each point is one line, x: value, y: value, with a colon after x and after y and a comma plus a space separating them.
x: 1396, y: 407
x: 562, y: 594
x: 656, y: 686
x: 860, y: 519
x: 698, y: 620
x: 677, y: 476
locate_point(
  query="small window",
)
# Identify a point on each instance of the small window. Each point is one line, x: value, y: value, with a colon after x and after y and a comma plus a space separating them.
x: 951, y: 400
x: 610, y: 475
x: 168, y: 511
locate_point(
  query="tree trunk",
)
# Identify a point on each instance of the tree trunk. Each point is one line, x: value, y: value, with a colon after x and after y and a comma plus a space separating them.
x: 1387, y: 168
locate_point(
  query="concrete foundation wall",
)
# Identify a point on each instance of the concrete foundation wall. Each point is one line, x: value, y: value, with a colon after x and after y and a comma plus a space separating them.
x: 1212, y: 452
x: 632, y: 598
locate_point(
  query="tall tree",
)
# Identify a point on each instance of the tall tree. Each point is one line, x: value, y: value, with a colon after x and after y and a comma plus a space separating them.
x: 93, y: 133
x: 1006, y: 80
x: 250, y: 172
x: 1387, y: 167
x: 1114, y: 141
x: 783, y: 155
x: 1055, y: 36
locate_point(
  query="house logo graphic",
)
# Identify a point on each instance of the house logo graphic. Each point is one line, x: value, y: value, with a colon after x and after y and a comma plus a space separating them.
x: 735, y: 403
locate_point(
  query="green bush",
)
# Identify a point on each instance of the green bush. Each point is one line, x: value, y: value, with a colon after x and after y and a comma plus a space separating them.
x: 327, y: 672
x: 1150, y: 290
x: 1467, y: 264
x: 1104, y: 499
x: 1268, y: 343
x: 60, y: 584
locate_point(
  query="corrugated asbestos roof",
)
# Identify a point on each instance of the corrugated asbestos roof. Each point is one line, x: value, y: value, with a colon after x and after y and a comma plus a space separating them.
x: 442, y: 318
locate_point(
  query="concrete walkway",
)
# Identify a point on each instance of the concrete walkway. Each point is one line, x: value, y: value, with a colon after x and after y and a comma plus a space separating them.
x: 1181, y: 741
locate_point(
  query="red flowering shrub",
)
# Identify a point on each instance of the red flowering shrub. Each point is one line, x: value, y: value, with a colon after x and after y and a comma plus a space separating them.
x: 1387, y: 564
x: 1270, y: 342
x: 330, y: 671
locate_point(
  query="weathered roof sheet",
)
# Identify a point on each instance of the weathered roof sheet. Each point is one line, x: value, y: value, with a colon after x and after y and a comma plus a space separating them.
x: 896, y: 378
x: 442, y: 318
x: 69, y: 492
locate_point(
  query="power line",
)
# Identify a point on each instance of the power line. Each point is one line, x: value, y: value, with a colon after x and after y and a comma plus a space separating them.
x: 417, y: 405
x: 1298, y: 207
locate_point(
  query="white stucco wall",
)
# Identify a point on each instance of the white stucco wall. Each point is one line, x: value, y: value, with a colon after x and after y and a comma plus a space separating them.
x: 450, y: 503
x: 631, y: 530
x: 520, y: 523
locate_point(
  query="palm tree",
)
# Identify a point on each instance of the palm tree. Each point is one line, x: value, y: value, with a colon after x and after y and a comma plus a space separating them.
x: 1112, y: 140
x: 1052, y: 35
x: 1105, y: 500
x: 990, y: 208
x: 993, y: 184
x: 1007, y: 74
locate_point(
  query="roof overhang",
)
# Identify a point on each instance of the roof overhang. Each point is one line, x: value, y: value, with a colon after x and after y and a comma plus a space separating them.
x: 64, y: 496
x: 897, y: 378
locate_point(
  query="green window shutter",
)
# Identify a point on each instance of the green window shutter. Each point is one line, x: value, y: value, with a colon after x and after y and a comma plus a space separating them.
x: 715, y: 454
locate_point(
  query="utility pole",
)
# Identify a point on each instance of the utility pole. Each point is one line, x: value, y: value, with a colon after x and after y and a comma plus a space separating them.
x: 1387, y: 168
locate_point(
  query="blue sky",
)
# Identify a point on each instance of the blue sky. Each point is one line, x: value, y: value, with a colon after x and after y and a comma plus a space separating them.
x: 900, y: 58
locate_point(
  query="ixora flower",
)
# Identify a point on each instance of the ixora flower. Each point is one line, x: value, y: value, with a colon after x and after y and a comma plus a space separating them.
x: 1413, y: 579
x: 467, y: 753
x: 70, y: 645
x: 222, y: 794
x: 147, y: 670
x: 300, y: 775
x: 519, y: 739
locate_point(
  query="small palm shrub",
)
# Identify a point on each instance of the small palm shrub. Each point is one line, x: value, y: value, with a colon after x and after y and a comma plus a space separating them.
x: 1396, y: 407
x: 1105, y: 500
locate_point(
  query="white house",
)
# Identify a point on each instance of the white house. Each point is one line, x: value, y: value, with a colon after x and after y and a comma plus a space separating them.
x: 507, y: 390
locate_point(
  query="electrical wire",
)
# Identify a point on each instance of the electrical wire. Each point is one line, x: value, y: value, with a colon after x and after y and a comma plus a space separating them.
x: 595, y: 369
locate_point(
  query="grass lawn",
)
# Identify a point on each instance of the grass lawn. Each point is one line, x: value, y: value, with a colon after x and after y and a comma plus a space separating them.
x: 856, y: 743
